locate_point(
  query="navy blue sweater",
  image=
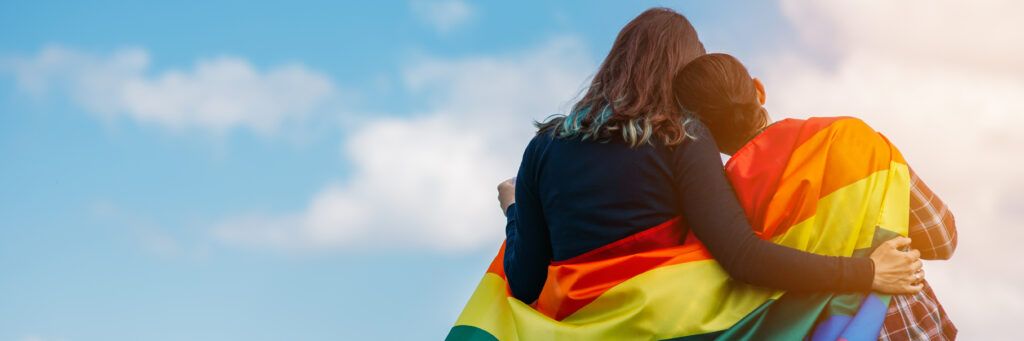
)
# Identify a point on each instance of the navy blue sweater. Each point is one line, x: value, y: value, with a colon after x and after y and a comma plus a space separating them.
x: 574, y: 196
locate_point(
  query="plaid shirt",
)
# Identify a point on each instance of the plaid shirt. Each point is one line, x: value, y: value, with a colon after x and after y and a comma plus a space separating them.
x: 933, y: 232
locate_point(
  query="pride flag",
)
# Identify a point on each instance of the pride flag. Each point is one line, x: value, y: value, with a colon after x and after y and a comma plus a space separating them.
x: 831, y: 186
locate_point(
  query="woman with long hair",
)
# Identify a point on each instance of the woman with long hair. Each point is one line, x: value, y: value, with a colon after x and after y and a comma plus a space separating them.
x: 624, y: 225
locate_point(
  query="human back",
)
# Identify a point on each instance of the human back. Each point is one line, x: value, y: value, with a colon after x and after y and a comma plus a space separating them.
x: 594, y: 193
x: 605, y: 170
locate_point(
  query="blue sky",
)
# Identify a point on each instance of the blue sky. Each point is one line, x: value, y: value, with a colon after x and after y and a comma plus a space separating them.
x: 233, y: 170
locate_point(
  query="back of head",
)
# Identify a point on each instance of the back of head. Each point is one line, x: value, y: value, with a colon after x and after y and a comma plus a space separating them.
x: 631, y: 94
x: 718, y: 89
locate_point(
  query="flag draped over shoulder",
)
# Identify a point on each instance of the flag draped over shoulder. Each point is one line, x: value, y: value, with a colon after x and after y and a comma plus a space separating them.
x: 831, y: 186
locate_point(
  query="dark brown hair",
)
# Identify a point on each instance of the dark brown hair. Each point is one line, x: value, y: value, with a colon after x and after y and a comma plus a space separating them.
x: 631, y: 93
x: 718, y: 89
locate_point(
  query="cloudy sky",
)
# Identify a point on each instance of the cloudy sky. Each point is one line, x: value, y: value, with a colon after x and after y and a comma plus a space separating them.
x: 322, y: 170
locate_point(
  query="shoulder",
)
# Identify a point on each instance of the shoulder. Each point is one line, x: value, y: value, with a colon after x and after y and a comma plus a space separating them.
x: 536, y: 149
x: 842, y: 123
x: 698, y: 138
x: 850, y: 133
x: 699, y: 150
x: 696, y: 130
x: 540, y: 141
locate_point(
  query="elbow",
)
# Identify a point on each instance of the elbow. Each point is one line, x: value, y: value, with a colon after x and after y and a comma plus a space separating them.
x: 512, y: 277
x: 747, y: 256
x: 523, y: 294
x: 940, y: 253
x: 519, y: 284
x: 522, y: 291
x: 739, y: 272
x: 945, y: 253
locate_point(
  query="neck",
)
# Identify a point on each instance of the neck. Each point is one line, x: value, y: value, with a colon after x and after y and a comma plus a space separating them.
x: 751, y: 137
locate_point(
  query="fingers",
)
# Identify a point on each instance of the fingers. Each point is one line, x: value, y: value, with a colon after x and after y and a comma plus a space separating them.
x: 914, y: 254
x: 914, y: 260
x: 911, y: 289
x: 917, y: 266
x: 899, y: 242
x: 912, y: 284
x: 508, y: 183
x: 914, y: 279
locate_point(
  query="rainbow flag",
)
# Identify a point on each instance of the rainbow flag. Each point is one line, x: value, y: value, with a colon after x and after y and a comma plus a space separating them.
x: 830, y: 186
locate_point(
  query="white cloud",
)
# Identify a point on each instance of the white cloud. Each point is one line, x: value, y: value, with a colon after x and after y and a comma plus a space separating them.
x: 443, y: 15
x: 982, y: 35
x: 217, y: 95
x: 427, y: 181
x: 943, y: 80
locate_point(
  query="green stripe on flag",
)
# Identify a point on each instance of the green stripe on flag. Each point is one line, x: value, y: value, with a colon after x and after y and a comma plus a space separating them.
x: 469, y: 333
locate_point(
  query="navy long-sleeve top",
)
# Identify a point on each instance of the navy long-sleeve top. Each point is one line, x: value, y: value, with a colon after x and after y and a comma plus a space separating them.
x: 573, y: 196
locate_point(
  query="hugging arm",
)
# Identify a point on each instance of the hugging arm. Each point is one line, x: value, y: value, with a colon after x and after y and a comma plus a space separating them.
x: 713, y: 213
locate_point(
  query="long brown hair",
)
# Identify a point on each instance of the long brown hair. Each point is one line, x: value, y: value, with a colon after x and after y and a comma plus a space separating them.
x: 718, y: 89
x: 631, y: 93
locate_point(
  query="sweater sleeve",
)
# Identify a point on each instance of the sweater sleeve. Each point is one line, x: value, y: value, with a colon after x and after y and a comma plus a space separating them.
x: 527, y: 242
x: 713, y: 213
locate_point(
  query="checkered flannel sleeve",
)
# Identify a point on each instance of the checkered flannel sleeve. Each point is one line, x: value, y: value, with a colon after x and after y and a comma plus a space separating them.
x: 932, y: 227
x: 917, y: 317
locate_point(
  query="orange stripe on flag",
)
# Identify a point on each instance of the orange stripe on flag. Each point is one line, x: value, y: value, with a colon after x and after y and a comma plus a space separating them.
x: 571, y: 285
x: 497, y: 266
x: 814, y: 168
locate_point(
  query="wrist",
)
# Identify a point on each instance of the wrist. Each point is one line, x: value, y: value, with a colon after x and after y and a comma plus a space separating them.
x: 508, y: 209
x: 874, y: 278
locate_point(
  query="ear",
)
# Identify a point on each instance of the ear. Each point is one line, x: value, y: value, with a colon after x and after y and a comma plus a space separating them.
x: 761, y: 95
